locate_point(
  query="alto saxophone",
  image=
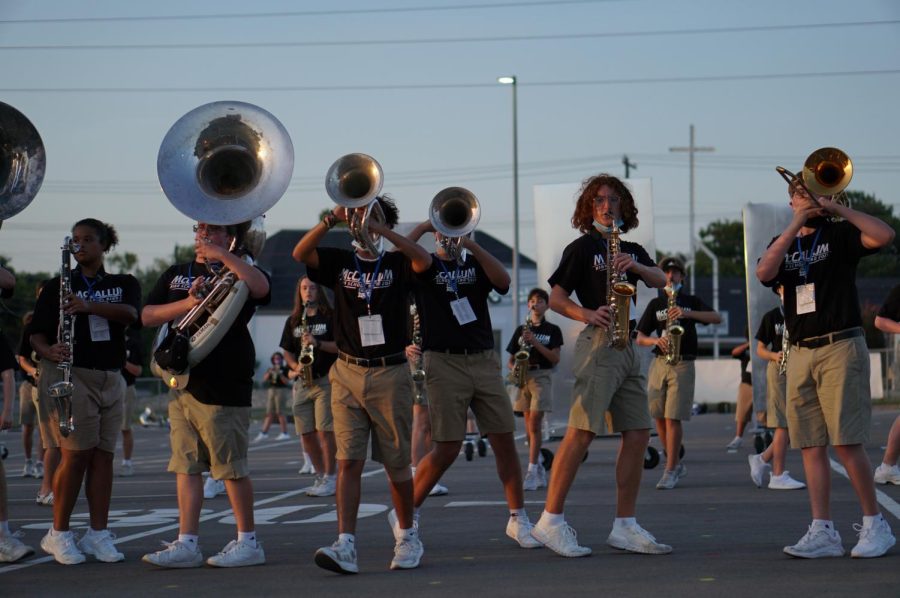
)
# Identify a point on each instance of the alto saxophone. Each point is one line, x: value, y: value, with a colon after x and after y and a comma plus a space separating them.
x: 520, y: 367
x: 61, y: 391
x: 618, y: 294
x: 418, y: 373
x: 307, y: 353
x: 785, y: 351
x: 674, y: 331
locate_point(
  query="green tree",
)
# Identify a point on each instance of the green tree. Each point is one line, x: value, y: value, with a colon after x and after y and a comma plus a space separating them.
x: 725, y: 238
x: 886, y: 263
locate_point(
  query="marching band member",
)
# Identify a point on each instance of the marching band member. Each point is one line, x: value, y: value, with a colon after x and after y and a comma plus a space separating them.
x: 210, y: 418
x: 311, y: 403
x: 888, y: 320
x: 769, y: 340
x: 828, y: 397
x: 605, y: 378
x: 670, y: 386
x: 371, y: 389
x: 462, y: 372
x: 103, y: 305
x: 276, y: 381
x: 34, y: 468
x: 535, y: 398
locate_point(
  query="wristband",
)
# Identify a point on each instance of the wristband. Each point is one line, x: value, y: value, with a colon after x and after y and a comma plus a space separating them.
x: 329, y: 221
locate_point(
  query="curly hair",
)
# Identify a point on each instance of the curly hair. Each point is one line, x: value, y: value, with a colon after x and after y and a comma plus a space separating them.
x: 389, y: 207
x: 583, y: 218
x: 106, y: 234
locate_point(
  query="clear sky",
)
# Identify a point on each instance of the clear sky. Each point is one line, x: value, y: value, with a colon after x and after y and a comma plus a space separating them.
x: 416, y: 88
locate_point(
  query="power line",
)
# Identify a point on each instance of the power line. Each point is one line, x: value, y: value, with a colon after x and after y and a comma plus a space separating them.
x: 448, y: 40
x: 299, y: 13
x: 440, y: 86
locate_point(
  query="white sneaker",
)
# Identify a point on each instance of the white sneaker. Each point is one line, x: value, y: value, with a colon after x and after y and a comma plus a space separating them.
x: 44, y: 499
x: 213, y: 487
x: 785, y: 482
x: 283, y: 436
x: 408, y: 551
x: 668, y: 481
x: 38, y: 470
x: 12, y: 549
x: 532, y: 481
x: 519, y: 529
x: 340, y: 557
x: 758, y: 470
x: 175, y: 555
x: 323, y: 486
x: 817, y: 543
x: 634, y: 538
x: 395, y: 523
x: 439, y: 490
x: 874, y: 540
x: 126, y: 470
x: 307, y: 468
x: 561, y: 539
x: 260, y: 437
x: 100, y: 546
x: 62, y: 547
x: 28, y: 469
x: 735, y: 444
x: 887, y: 475
x: 238, y: 553
x: 543, y: 474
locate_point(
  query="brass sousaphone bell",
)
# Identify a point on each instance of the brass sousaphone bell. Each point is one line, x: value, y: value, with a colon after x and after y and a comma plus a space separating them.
x: 454, y: 213
x: 353, y: 182
x: 826, y: 172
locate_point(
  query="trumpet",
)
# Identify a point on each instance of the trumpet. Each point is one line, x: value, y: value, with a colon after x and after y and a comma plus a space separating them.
x: 61, y: 391
x: 674, y: 330
x: 307, y: 352
x: 521, y: 357
x: 454, y: 213
x: 618, y: 294
x: 354, y: 182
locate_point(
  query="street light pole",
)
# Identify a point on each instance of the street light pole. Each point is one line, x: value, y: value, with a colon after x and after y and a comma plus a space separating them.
x: 511, y: 80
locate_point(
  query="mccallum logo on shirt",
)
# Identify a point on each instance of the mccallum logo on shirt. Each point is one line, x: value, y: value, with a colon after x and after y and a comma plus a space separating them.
x: 795, y: 259
x: 779, y: 329
x: 544, y: 339
x: 113, y: 295
x: 663, y: 314
x: 600, y: 261
x: 466, y: 276
x: 350, y: 279
x: 181, y: 283
x: 314, y: 329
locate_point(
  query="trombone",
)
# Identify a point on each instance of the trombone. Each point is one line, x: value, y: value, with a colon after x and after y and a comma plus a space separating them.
x: 826, y: 172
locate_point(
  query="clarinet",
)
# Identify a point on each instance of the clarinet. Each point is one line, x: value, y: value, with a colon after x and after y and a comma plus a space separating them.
x: 785, y: 351
x: 61, y: 391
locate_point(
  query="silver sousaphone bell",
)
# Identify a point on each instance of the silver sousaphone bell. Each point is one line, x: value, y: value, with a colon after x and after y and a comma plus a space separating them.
x: 454, y: 213
x: 22, y: 162
x: 354, y: 182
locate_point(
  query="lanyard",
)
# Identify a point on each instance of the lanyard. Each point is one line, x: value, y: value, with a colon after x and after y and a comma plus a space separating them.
x: 90, y: 285
x: 452, y: 281
x: 367, y: 288
x: 806, y: 260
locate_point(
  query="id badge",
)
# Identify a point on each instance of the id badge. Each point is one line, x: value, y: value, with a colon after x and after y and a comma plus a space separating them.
x: 463, y: 311
x: 806, y: 298
x: 99, y: 328
x: 371, y: 332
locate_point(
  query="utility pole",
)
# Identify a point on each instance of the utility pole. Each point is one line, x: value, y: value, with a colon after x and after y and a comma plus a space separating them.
x: 628, y: 165
x: 691, y: 149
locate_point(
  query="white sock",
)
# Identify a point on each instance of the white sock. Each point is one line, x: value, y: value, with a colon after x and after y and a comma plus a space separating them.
x: 126, y: 461
x: 408, y: 534
x: 624, y: 522
x: 870, y: 520
x: 826, y: 524
x: 56, y: 532
x: 519, y: 514
x: 189, y: 540
x: 553, y: 519
x: 248, y: 537
x: 94, y: 532
x: 347, y: 538
x: 4, y: 528
x: 532, y: 467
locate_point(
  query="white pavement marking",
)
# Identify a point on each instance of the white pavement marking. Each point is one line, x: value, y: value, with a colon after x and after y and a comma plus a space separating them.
x: 166, y: 528
x: 888, y: 503
x: 486, y: 503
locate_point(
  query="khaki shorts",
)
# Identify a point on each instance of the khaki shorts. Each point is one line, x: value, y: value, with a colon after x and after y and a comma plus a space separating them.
x: 46, y: 407
x: 210, y: 438
x: 372, y: 403
x: 670, y: 389
x: 96, y: 408
x: 312, y: 407
x: 776, y: 414
x: 276, y: 401
x: 457, y: 383
x: 128, y: 407
x: 27, y: 408
x: 537, y: 394
x: 828, y: 397
x: 744, y: 407
x: 607, y: 379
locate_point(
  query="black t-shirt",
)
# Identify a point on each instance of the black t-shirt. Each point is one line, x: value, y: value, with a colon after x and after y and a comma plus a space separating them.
x: 832, y: 251
x: 134, y: 353
x: 321, y: 327
x: 25, y: 350
x: 225, y: 377
x: 389, y: 279
x: 546, y: 334
x: 771, y: 328
x: 582, y: 269
x: 434, y: 292
x: 7, y: 358
x: 654, y: 320
x: 891, y: 307
x: 277, y: 377
x: 105, y: 288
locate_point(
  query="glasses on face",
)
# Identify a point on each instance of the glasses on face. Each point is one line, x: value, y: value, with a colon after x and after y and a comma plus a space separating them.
x: 609, y: 199
x: 208, y: 229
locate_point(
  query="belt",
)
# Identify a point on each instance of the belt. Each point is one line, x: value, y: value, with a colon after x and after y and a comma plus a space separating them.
x: 821, y: 341
x: 683, y: 357
x: 459, y: 351
x: 395, y: 359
